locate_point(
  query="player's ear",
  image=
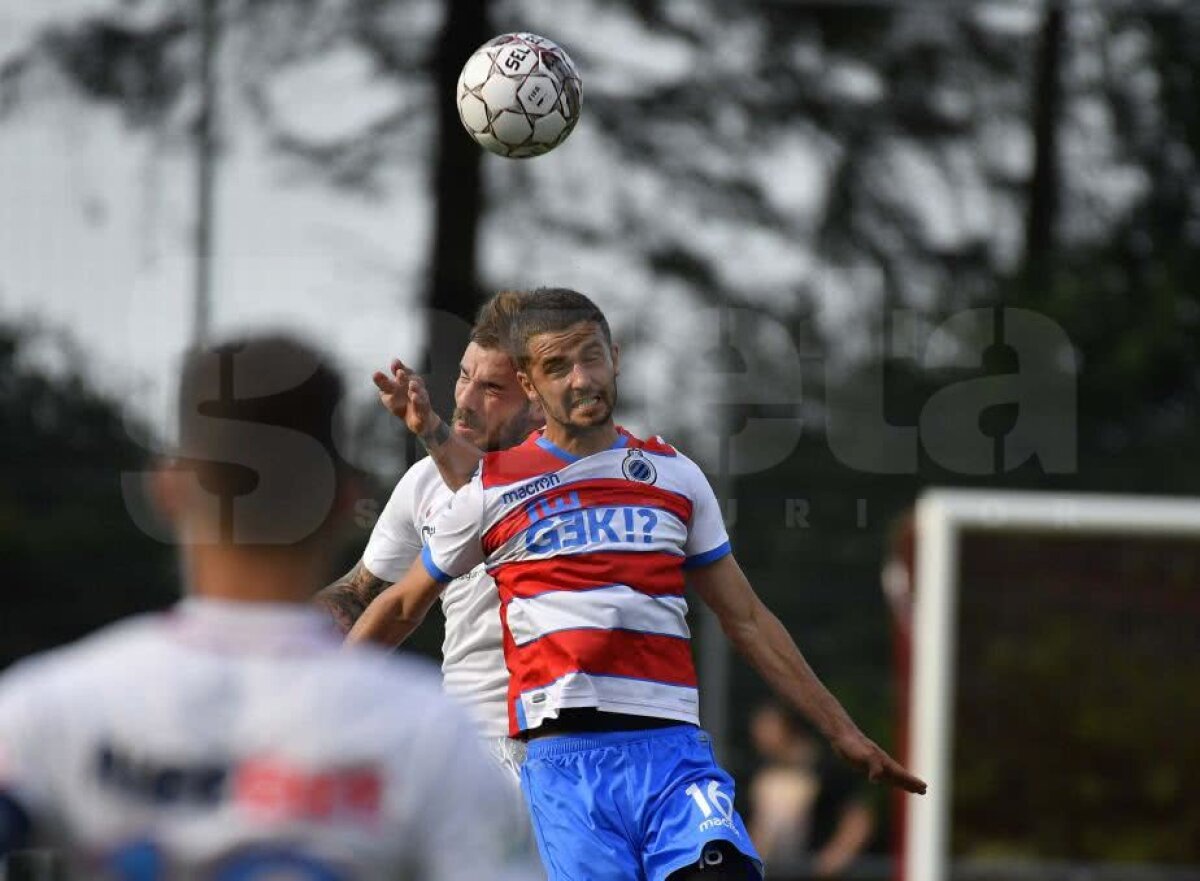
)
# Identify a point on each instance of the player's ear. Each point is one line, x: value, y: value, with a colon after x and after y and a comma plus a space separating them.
x: 616, y: 356
x: 527, y: 386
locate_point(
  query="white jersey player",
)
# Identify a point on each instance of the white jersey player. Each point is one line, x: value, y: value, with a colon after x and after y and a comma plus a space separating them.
x: 472, y: 652
x: 234, y: 737
x: 236, y: 740
x: 491, y: 413
x: 473, y: 668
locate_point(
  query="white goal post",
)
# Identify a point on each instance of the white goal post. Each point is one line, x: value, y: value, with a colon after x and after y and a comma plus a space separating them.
x: 941, y: 518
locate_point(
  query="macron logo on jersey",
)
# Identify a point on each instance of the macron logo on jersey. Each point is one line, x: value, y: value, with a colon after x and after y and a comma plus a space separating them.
x: 534, y: 487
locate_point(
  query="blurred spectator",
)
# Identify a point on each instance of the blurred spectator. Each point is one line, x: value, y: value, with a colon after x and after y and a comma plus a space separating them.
x: 806, y: 808
x: 898, y: 580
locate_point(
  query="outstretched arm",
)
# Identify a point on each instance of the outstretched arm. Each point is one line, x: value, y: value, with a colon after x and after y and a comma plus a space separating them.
x: 347, y: 597
x: 404, y: 394
x: 764, y: 642
x: 399, y: 609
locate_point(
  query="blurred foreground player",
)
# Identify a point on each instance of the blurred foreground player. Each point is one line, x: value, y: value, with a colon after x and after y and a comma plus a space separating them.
x: 234, y: 738
x: 592, y: 535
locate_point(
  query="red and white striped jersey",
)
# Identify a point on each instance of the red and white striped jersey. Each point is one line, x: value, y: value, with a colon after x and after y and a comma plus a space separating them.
x: 588, y: 555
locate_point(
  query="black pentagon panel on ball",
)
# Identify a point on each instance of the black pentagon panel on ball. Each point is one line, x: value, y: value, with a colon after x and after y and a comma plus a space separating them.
x: 571, y: 100
x: 554, y: 62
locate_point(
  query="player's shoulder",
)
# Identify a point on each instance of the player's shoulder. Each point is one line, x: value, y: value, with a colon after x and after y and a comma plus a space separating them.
x: 419, y: 489
x: 78, y: 665
x: 652, y: 460
x: 653, y: 444
x: 661, y: 453
x: 419, y: 479
x: 526, y: 461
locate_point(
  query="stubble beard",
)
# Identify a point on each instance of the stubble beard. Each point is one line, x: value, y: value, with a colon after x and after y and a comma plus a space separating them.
x: 513, y: 431
x: 608, y: 398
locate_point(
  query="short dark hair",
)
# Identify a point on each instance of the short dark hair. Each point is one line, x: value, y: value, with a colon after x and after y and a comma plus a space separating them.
x: 549, y: 310
x: 231, y: 397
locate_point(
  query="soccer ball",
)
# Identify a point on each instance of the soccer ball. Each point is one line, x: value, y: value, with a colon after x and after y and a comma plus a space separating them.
x: 519, y: 95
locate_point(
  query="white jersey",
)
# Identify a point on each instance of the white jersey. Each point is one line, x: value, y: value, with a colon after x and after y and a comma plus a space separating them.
x: 239, y: 741
x: 473, y: 650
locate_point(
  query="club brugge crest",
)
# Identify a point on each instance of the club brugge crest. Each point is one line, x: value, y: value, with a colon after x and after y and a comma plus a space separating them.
x: 637, y: 467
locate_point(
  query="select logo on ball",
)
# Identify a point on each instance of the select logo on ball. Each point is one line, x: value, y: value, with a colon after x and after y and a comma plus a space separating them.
x: 519, y: 95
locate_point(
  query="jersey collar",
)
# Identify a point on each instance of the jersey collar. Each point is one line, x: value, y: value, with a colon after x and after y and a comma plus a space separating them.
x: 262, y: 628
x: 551, y: 447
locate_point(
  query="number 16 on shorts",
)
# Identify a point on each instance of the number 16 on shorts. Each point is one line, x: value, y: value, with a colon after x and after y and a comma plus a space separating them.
x: 715, y: 805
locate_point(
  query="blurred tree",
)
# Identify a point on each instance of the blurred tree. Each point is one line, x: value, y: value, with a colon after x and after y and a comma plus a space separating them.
x: 1044, y: 185
x: 454, y: 282
x: 142, y: 58
x: 71, y: 557
x: 1124, y: 289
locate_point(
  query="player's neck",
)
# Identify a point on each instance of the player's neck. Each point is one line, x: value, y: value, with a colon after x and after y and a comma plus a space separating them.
x: 251, y: 575
x: 582, y: 442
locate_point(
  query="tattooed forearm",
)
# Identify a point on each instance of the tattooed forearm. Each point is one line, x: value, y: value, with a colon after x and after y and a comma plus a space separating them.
x: 455, y: 457
x: 435, y: 437
x: 346, y: 598
x: 343, y: 606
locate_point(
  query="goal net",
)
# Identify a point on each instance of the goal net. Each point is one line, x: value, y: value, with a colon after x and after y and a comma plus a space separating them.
x: 1055, y: 688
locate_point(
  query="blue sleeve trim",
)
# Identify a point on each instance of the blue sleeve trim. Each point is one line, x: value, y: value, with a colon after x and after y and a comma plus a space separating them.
x: 15, y: 826
x: 432, y: 568
x: 721, y: 550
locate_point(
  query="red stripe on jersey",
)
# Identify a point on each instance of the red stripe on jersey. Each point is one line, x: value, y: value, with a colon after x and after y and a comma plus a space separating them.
x: 649, y: 572
x: 650, y: 445
x: 600, y: 652
x: 582, y: 494
x: 522, y: 462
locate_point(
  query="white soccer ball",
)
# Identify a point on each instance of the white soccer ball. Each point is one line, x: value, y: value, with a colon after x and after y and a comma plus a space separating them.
x: 519, y: 95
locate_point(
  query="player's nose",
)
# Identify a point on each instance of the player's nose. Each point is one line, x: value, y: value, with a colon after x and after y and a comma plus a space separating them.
x: 466, y: 396
x: 579, y: 379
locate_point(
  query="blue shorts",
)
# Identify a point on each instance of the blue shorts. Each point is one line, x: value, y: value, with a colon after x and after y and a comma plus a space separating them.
x: 629, y: 804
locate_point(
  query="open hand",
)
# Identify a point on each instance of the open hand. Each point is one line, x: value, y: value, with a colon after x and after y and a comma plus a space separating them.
x: 404, y: 394
x: 868, y: 758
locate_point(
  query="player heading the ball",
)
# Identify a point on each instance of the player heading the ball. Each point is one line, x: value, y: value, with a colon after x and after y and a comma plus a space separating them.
x: 594, y: 537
